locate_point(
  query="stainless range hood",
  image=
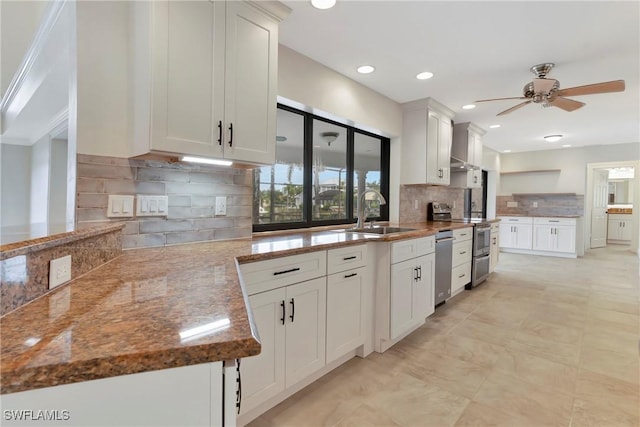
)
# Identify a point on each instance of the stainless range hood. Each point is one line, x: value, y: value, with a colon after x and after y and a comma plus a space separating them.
x: 458, y: 165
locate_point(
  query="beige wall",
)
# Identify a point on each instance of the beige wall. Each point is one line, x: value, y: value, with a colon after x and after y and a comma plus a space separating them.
x: 571, y: 164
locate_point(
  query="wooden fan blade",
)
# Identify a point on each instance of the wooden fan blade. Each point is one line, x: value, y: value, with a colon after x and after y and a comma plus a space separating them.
x: 500, y: 99
x: 592, y: 89
x: 513, y: 108
x: 566, y: 104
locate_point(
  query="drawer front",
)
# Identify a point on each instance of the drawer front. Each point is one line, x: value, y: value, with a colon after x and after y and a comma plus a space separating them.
x: 412, y: 248
x: 462, y: 252
x: 620, y: 217
x: 342, y: 259
x: 462, y: 234
x: 262, y: 276
x: 555, y: 221
x: 516, y: 219
x: 460, y: 276
x: 495, y: 227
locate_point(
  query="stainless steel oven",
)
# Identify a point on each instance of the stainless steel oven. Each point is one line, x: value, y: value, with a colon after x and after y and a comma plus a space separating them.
x: 481, y: 239
x: 479, y: 270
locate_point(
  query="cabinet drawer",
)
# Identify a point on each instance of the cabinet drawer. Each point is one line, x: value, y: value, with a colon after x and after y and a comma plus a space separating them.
x: 462, y: 252
x: 262, y: 276
x: 620, y: 217
x: 412, y: 248
x: 554, y: 221
x: 460, y: 276
x: 342, y: 259
x: 516, y: 219
x: 495, y: 227
x: 462, y: 234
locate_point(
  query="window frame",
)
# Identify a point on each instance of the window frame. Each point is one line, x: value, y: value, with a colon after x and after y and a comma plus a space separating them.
x: 385, y: 149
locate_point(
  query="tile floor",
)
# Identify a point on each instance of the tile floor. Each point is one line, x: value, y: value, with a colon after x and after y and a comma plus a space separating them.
x: 544, y: 342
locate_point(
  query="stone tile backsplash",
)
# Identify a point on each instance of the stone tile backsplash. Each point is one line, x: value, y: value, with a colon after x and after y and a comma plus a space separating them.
x: 547, y: 204
x: 431, y: 193
x: 191, y: 190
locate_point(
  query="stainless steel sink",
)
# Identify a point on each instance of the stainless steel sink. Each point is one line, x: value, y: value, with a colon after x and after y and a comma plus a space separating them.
x: 377, y: 230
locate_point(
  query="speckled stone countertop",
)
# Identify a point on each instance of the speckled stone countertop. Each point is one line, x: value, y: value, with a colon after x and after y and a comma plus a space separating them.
x: 151, y: 309
x: 11, y: 250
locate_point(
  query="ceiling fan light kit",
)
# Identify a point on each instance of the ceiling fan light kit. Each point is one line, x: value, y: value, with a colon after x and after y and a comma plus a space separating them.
x: 548, y: 93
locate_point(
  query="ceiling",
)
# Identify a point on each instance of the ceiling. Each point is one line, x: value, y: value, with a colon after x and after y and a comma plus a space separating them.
x: 479, y: 50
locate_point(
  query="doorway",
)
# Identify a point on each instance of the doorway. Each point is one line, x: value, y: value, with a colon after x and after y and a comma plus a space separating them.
x: 628, y: 198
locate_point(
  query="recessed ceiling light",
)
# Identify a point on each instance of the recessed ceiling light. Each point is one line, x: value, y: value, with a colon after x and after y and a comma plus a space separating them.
x: 424, y: 75
x: 366, y: 69
x: 494, y: 126
x: 468, y: 107
x: 506, y: 151
x: 553, y: 138
x: 323, y: 4
x: 566, y: 145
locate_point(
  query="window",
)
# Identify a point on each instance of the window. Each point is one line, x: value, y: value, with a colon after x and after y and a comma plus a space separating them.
x: 321, y: 169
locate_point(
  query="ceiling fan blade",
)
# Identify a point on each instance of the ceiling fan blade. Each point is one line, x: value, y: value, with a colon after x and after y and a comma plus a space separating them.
x: 566, y: 104
x: 522, y: 104
x: 500, y: 99
x: 604, y: 87
x: 543, y: 85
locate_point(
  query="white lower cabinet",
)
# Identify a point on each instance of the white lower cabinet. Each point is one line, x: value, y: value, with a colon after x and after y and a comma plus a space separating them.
x: 494, y: 250
x: 516, y: 233
x: 411, y: 293
x: 461, y: 259
x: 189, y: 395
x: 291, y: 323
x: 619, y: 228
x: 345, y: 312
x: 404, y: 279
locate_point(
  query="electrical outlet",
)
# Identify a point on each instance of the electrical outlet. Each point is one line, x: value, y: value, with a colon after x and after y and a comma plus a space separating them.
x: 535, y: 204
x: 415, y: 204
x: 221, y: 205
x: 512, y: 204
x: 59, y: 271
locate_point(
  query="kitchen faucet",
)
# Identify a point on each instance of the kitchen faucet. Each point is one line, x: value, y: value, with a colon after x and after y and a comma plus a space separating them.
x: 362, y: 211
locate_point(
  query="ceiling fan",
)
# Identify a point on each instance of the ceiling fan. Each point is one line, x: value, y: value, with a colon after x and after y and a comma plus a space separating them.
x: 548, y: 93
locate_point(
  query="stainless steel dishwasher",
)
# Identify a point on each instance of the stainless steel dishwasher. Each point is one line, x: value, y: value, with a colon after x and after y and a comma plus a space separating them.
x: 444, y: 255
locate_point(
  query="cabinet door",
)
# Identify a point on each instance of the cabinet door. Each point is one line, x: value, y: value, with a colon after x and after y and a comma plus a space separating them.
x: 435, y: 174
x: 250, y: 84
x: 187, y: 92
x: 444, y: 149
x: 403, y: 280
x: 494, y: 251
x: 168, y: 397
x: 424, y: 290
x: 523, y: 236
x: 263, y: 376
x: 306, y: 304
x: 507, y: 236
x: 565, y: 239
x: 345, y: 313
x: 543, y: 238
x: 625, y: 230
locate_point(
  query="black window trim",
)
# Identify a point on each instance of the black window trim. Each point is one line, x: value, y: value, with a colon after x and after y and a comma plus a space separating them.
x: 308, y: 222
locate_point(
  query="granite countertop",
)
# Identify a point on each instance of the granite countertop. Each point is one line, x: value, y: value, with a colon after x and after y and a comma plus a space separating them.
x: 151, y: 309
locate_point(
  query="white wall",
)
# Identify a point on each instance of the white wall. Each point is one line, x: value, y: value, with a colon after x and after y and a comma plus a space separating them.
x: 15, y: 184
x: 572, y: 163
x: 58, y: 182
x: 40, y: 174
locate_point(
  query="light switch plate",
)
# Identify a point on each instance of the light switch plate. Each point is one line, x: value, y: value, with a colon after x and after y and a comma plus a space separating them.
x: 221, y: 205
x: 150, y: 205
x: 59, y: 271
x: 512, y: 204
x: 119, y: 206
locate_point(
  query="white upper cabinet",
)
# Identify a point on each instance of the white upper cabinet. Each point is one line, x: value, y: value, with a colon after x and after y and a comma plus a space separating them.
x: 467, y: 148
x: 205, y: 78
x: 426, y: 143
